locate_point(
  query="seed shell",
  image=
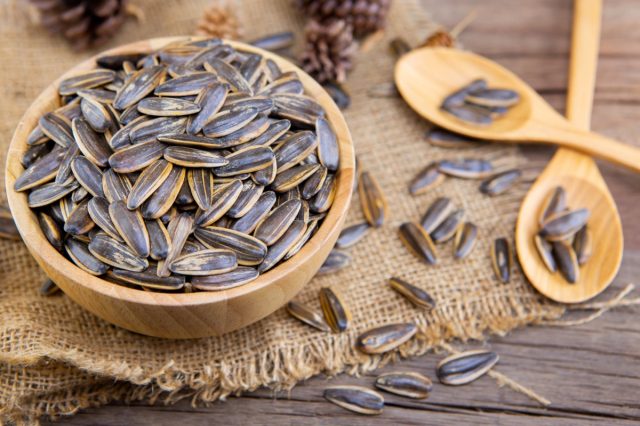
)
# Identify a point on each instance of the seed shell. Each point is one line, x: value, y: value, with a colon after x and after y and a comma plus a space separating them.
x: 96, y: 114
x: 200, y: 182
x: 88, y: 175
x: 40, y: 172
x: 249, y: 250
x: 335, y: 312
x: 501, y: 182
x: 210, y: 100
x: 51, y: 230
x: 448, y: 228
x: 247, y: 199
x: 583, y: 245
x: 323, y: 200
x: 335, y: 262
x: 245, y: 161
x: 355, y: 398
x: 554, y: 203
x: 227, y: 122
x: 79, y: 222
x: 116, y: 254
x: 418, y: 242
x: 93, y: 145
x: 293, y: 177
x: 277, y: 222
x: 351, y: 235
x: 131, y: 227
x: 427, y: 178
x: 139, y: 85
x: 136, y: 157
x: 445, y: 139
x: 179, y: 230
x: 464, y: 368
x: 564, y: 224
x: 328, y: 149
x: 385, y: 338
x: 407, y: 384
x: 85, y: 80
x: 372, y: 200
x: 307, y: 316
x: 467, y: 168
x: 465, y: 240
x: 223, y: 199
x: 493, y: 97
x: 280, y: 248
x: 186, y: 85
x: 545, y: 250
x: 204, y: 262
x: 81, y: 256
x: 566, y: 260
x: 167, y: 107
x: 148, y: 182
x: 49, y: 288
x: 49, y: 193
x: 294, y: 149
x: 501, y: 259
x: 148, y: 279
x: 256, y: 215
x: 413, y: 294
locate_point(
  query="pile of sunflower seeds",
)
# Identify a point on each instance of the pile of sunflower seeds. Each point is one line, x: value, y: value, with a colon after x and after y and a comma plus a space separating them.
x: 197, y: 166
x: 477, y: 104
x: 564, y: 241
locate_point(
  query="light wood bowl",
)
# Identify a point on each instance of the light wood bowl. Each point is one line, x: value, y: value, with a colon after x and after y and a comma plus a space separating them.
x: 184, y: 315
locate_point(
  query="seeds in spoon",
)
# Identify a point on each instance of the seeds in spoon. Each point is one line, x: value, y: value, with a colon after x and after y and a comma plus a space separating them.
x: 566, y: 260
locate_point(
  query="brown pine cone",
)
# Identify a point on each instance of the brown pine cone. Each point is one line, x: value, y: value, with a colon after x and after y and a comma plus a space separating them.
x: 329, y: 50
x: 366, y: 16
x: 219, y: 21
x: 84, y: 23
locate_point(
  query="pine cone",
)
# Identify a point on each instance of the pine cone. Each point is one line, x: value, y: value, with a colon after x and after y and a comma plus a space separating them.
x: 84, y: 23
x: 440, y: 38
x: 329, y: 50
x: 219, y: 21
x: 366, y: 16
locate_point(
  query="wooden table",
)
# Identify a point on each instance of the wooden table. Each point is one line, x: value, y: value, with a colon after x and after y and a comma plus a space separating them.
x: 591, y: 372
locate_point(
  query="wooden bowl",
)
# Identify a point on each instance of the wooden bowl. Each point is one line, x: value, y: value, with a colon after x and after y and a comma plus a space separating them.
x: 184, y: 315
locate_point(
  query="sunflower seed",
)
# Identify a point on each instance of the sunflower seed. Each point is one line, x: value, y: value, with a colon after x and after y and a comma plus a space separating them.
x: 338, y: 93
x: 256, y: 214
x: 33, y: 154
x: 92, y: 144
x: 190, y: 84
x: 501, y: 259
x: 445, y: 139
x: 408, y: 384
x: 239, y: 276
x: 200, y: 182
x: 545, y: 250
x: 262, y: 104
x: 583, y: 245
x: 81, y: 256
x: 427, y: 178
x: 468, y: 168
x: 240, y: 137
x: 493, y: 97
x: 150, y: 130
x: 131, y: 228
x: 336, y: 261
x: 355, y: 398
x: 57, y: 128
x: 205, y: 262
x: 101, y: 95
x: 418, y: 242
x: 49, y: 288
x: 40, y: 172
x: 64, y: 171
x: 223, y: 199
x: 37, y: 137
x: 249, y: 250
x: 136, y: 157
x: 96, y: 114
x: 436, y: 214
x: 115, y: 186
x: 149, y: 279
x: 328, y: 150
x: 245, y: 161
x: 307, y: 316
x: 465, y: 240
x: 501, y: 182
x: 293, y: 177
x: 299, y: 109
x: 285, y: 83
x: 228, y: 73
x: 210, y: 100
x: 312, y: 225
x: 249, y: 196
x: 167, y: 107
x: 98, y: 209
x: 372, y: 200
x: 139, y: 85
x: 275, y: 130
x: 79, y: 221
x: 179, y: 230
x: 88, y: 175
x: 116, y: 254
x: 554, y: 203
x: 85, y: 80
x: 227, y: 122
x: 385, y: 338
x: 564, y: 224
x: 352, y: 235
x: 49, y: 193
x: 465, y: 367
x: 280, y: 248
x: 277, y: 41
x: 322, y: 201
x: 413, y: 294
x: 470, y: 115
x: 566, y: 260
x: 458, y: 97
x: 335, y: 312
x: 294, y: 149
x: 51, y: 230
x: 277, y: 222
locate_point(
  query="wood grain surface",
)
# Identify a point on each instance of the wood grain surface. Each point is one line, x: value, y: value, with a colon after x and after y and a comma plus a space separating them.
x: 589, y: 372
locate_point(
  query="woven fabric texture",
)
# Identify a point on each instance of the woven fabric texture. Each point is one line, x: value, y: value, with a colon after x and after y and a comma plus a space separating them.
x: 56, y: 358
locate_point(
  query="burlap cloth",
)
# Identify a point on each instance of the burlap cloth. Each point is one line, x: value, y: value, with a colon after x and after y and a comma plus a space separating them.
x: 56, y: 358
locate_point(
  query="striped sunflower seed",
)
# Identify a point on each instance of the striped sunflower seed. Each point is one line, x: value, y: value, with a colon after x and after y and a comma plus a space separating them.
x: 200, y: 182
x: 49, y: 193
x: 131, y: 227
x: 385, y: 338
x: 426, y: 179
x: 322, y: 201
x: 467, y: 168
x: 96, y: 114
x: 493, y: 97
x: 210, y: 101
x: 223, y: 199
x: 465, y: 239
x: 307, y: 316
x: 92, y: 144
x: 193, y: 157
x: 150, y: 130
x: 98, y: 209
x: 88, y: 175
x: 139, y: 85
x: 245, y: 161
x: 407, y: 384
x: 445, y: 139
x: 277, y: 222
x: 228, y: 74
x: 336, y: 313
x: 413, y: 294
x: 148, y: 279
x: 148, y: 182
x: 280, y: 248
x: 116, y: 254
x: 372, y: 200
x: 355, y: 398
x: 40, y: 172
x: 8, y: 229
x: 459, y: 97
x: 335, y: 262
x: 79, y: 222
x: 247, y: 199
x: 49, y: 288
x: 554, y: 203
x: 190, y: 84
x: 351, y: 235
x: 448, y: 228
x: 248, y: 222
x: 465, y: 367
x: 545, y: 250
x: 566, y: 260
x: 179, y: 230
x: 501, y: 259
x: 167, y: 107
x: 293, y: 177
x: 564, y: 224
x: 205, y: 262
x: 249, y: 250
x: 418, y: 242
x: 583, y: 245
x: 57, y: 128
x: 227, y: 122
x: 51, y: 230
x: 79, y: 253
x: 294, y: 149
x: 328, y: 149
x: 239, y: 276
x: 85, y: 80
x: 313, y: 185
x: 501, y: 182
x: 136, y: 157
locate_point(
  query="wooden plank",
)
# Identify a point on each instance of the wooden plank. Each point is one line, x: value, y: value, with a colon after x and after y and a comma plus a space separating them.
x: 589, y: 372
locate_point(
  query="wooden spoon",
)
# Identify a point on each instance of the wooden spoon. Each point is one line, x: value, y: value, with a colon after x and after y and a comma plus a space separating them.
x: 427, y: 75
x: 580, y: 177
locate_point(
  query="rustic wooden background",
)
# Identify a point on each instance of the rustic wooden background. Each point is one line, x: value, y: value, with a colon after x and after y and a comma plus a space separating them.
x: 590, y: 373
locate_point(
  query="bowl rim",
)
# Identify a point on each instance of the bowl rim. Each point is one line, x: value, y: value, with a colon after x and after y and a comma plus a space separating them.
x: 32, y: 235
